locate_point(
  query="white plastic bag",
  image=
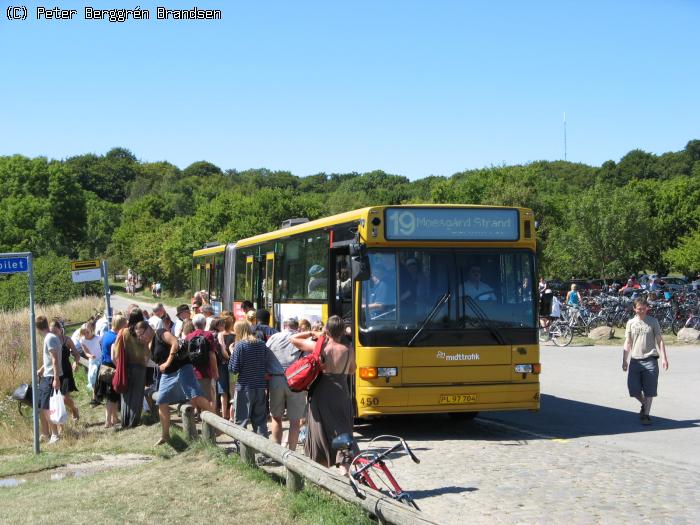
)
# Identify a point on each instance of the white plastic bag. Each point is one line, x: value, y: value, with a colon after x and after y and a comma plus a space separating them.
x: 57, y: 408
x: 93, y: 372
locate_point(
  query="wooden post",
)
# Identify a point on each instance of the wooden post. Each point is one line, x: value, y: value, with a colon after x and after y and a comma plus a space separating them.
x: 208, y: 433
x: 295, y: 482
x: 188, y: 423
x: 247, y: 453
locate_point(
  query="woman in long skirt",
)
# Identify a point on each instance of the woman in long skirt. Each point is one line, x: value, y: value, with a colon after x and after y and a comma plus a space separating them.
x: 137, y: 355
x: 330, y: 402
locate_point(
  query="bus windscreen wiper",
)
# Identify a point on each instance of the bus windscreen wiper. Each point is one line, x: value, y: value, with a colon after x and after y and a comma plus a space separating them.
x: 482, y: 318
x: 442, y: 300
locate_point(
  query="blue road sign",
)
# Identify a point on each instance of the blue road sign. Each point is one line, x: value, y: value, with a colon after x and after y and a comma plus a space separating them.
x: 14, y: 265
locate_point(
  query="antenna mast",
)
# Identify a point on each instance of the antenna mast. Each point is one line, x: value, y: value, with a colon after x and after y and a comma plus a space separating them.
x: 565, y: 136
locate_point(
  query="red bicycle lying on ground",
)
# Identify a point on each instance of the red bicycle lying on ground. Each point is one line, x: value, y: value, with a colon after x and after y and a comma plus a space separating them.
x: 372, y: 462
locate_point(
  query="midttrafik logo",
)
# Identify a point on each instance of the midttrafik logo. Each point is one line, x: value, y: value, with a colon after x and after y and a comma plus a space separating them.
x: 458, y: 357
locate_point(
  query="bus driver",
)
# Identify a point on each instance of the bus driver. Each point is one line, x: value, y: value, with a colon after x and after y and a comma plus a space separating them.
x: 474, y: 288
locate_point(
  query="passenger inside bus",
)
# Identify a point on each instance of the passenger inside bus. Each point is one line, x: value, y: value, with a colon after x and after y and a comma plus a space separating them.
x: 413, y: 287
x: 318, y: 282
x: 382, y: 293
x: 344, y: 284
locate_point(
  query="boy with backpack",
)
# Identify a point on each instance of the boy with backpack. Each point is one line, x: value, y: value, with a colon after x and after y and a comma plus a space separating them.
x: 201, y: 347
x: 262, y: 329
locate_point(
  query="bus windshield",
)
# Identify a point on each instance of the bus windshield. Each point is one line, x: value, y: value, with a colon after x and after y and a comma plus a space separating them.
x: 484, y: 290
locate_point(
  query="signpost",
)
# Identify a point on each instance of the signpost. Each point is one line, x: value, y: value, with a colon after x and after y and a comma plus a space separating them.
x: 93, y: 270
x: 23, y: 262
x: 84, y: 271
x: 108, y: 299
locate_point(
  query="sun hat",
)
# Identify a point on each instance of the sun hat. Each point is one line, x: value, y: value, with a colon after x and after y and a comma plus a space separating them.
x: 315, y: 270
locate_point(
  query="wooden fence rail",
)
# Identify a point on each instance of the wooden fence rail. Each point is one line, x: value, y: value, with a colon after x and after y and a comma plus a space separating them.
x: 299, y: 468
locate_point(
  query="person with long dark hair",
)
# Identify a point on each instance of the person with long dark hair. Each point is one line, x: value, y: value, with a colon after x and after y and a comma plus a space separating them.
x: 330, y: 402
x: 177, y: 382
x: 137, y: 355
x: 225, y: 337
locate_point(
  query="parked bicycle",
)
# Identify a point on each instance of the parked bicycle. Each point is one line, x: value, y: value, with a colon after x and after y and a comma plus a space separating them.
x: 559, y: 332
x: 693, y: 322
x: 369, y: 468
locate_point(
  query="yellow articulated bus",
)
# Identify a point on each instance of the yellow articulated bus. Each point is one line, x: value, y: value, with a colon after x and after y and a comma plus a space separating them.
x: 438, y: 300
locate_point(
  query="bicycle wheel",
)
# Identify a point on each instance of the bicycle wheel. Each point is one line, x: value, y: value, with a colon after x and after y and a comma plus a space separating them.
x: 597, y: 321
x: 677, y: 325
x: 562, y: 334
x: 666, y: 324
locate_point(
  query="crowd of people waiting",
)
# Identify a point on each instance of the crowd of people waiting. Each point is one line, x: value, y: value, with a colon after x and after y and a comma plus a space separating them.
x: 234, y: 368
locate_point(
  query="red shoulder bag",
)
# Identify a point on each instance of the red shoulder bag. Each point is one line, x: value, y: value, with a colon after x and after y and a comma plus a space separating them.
x: 303, y: 372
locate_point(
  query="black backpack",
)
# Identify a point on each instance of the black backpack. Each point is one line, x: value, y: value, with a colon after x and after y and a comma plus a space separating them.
x: 198, y: 350
x: 259, y: 333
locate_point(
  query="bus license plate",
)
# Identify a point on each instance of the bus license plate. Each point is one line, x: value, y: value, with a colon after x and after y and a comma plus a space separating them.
x: 457, y: 399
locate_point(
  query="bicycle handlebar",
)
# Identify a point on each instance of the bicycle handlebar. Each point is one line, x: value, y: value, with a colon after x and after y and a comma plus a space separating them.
x: 404, y: 445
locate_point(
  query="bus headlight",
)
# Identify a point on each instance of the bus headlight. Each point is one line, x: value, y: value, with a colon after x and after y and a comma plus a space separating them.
x: 528, y: 369
x: 371, y: 372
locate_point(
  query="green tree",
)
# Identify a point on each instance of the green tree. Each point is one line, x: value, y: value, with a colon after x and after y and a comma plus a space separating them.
x: 201, y: 168
x: 26, y: 224
x: 103, y: 218
x: 609, y: 234
x: 68, y: 211
x: 685, y: 257
x: 637, y: 164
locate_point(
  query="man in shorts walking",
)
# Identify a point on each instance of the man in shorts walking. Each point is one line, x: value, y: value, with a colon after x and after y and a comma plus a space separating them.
x: 284, y: 353
x: 643, y: 347
x: 51, y: 377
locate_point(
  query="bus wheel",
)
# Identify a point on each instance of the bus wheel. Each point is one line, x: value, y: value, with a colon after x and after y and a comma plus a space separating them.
x: 463, y: 416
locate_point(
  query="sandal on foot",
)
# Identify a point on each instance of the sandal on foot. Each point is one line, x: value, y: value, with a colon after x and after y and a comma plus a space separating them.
x: 161, y: 441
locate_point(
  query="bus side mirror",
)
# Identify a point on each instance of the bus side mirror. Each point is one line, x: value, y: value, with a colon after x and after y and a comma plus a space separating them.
x: 359, y: 266
x: 359, y: 262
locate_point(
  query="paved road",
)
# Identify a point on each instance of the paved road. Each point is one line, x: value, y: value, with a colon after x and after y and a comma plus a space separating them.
x: 585, y: 396
x: 121, y: 302
x: 584, y: 458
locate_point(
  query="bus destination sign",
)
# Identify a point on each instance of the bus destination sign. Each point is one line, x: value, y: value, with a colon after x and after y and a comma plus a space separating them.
x: 452, y: 224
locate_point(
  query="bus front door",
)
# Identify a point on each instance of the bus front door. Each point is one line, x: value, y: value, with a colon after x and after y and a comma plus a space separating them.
x: 268, y: 286
x: 341, y: 286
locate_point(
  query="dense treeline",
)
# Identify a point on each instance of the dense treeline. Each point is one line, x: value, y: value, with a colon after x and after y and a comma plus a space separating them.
x: 640, y: 213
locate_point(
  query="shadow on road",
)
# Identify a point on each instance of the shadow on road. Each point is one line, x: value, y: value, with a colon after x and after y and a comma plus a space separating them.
x: 567, y: 418
x: 418, y: 494
x: 557, y: 418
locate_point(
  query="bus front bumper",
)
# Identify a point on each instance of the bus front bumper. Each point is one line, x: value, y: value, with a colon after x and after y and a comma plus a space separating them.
x: 378, y: 401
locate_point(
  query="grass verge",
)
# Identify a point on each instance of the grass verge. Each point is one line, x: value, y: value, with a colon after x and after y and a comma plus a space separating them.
x: 312, y: 505
x: 15, y: 345
x: 182, y: 484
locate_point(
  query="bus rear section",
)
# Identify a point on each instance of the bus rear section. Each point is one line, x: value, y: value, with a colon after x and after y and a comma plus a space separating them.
x: 447, y: 330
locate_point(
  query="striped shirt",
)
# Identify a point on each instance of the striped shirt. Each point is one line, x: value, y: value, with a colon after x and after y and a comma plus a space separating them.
x: 248, y: 361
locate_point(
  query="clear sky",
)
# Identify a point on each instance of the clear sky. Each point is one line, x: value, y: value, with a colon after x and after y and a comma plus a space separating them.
x: 410, y: 87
